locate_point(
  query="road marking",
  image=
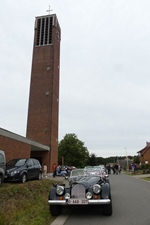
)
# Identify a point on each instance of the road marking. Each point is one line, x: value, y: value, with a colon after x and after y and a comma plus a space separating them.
x: 60, y: 220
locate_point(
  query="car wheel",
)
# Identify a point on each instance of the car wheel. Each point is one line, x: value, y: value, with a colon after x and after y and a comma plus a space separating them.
x: 1, y: 180
x: 107, y: 209
x: 23, y: 178
x: 55, y: 210
x: 40, y: 176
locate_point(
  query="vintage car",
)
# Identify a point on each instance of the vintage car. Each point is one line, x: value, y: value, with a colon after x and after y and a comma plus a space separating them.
x: 82, y: 188
x: 99, y: 170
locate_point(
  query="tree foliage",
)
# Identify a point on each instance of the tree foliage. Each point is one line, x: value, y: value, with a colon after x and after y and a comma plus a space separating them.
x: 101, y: 161
x: 136, y: 159
x: 73, y: 151
x: 92, y: 161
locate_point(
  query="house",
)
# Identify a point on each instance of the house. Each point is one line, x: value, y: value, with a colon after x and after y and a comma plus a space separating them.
x: 144, y: 154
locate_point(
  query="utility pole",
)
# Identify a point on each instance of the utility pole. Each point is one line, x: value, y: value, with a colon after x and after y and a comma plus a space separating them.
x: 127, y: 158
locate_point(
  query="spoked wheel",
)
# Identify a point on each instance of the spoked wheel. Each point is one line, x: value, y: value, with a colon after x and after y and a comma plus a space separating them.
x: 55, y: 210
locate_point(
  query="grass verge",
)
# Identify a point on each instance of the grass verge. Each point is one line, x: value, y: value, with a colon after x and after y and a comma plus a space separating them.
x: 146, y: 178
x: 26, y: 203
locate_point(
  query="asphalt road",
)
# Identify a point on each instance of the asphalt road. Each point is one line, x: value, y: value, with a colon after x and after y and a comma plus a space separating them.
x: 131, y: 205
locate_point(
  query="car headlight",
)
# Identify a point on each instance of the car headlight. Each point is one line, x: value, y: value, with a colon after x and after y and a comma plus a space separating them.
x: 60, y: 190
x: 14, y: 172
x: 96, y: 188
x: 67, y: 196
x: 88, y: 195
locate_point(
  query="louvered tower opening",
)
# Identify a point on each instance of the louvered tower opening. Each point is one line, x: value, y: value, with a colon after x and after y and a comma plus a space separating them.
x: 44, y: 31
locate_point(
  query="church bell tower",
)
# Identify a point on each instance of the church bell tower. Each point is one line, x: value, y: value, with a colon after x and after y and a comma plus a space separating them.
x: 43, y: 108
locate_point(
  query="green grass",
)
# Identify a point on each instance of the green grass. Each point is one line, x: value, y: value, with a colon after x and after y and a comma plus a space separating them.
x: 146, y: 178
x: 26, y: 203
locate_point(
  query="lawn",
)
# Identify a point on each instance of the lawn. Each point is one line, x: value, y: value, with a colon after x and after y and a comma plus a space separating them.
x: 26, y: 203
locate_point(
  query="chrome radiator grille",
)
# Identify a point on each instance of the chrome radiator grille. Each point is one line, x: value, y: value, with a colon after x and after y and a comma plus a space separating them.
x: 78, y: 191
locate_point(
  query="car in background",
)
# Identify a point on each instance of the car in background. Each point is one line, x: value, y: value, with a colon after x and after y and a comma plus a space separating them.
x: 2, y: 166
x: 100, y: 170
x: 84, y: 188
x: 23, y: 169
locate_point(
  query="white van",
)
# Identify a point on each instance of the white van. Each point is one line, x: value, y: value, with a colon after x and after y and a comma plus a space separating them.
x: 2, y: 166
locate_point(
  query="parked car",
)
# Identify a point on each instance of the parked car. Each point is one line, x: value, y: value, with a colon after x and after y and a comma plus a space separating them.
x: 83, y: 188
x: 23, y: 169
x: 2, y: 166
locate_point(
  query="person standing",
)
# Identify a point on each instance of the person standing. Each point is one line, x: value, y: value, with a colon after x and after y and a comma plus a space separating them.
x: 109, y: 169
x: 116, y: 168
x: 45, y: 170
x: 54, y: 169
x: 133, y: 167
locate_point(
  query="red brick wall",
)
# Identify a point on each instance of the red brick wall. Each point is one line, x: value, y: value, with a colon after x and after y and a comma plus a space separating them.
x: 13, y: 148
x: 145, y: 157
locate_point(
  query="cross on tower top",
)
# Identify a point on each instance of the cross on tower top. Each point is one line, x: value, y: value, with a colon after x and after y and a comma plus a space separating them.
x: 49, y: 10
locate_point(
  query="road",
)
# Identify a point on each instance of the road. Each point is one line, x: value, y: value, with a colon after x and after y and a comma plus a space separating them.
x: 131, y: 205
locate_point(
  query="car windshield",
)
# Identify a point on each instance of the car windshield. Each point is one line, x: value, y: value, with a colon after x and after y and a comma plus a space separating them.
x: 16, y: 162
x: 78, y: 172
x: 85, y: 172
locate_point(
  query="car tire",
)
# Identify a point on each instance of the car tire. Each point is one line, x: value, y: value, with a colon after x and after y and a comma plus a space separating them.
x: 55, y: 210
x: 23, y: 178
x: 39, y: 176
x: 107, y: 209
x: 1, y: 179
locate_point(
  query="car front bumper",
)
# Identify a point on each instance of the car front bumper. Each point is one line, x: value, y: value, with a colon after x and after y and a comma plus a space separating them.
x: 90, y: 202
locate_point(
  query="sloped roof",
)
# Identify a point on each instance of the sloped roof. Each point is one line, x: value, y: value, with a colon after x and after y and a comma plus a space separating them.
x: 145, y: 149
x: 35, y: 146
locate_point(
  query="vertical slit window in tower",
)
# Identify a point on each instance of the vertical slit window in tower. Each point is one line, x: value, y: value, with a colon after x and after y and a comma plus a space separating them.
x: 42, y: 31
x: 38, y: 32
x: 50, y: 30
x: 46, y: 31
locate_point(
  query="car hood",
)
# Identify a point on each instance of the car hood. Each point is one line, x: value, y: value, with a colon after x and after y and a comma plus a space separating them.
x: 11, y: 169
x: 87, y: 181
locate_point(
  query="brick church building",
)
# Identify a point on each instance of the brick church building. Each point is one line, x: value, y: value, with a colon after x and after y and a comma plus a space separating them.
x: 41, y: 139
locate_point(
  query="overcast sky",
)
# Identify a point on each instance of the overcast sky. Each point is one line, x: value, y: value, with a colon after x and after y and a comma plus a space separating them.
x: 104, y: 75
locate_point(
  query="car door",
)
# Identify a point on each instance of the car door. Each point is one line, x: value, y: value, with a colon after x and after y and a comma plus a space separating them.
x: 30, y: 169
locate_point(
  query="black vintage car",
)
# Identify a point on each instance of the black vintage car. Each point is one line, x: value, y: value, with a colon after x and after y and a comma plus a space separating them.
x: 23, y: 169
x: 83, y: 188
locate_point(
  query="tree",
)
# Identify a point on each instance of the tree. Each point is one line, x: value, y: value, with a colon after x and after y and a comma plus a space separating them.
x: 101, y: 161
x: 73, y: 151
x: 92, y: 161
x: 136, y: 159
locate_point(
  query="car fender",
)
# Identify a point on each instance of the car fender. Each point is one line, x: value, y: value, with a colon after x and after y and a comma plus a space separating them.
x: 2, y: 171
x: 105, y: 190
x: 22, y: 172
x: 52, y: 194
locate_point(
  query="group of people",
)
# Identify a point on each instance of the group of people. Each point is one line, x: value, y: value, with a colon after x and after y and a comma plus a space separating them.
x: 60, y: 170
x: 57, y: 170
x: 116, y: 168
